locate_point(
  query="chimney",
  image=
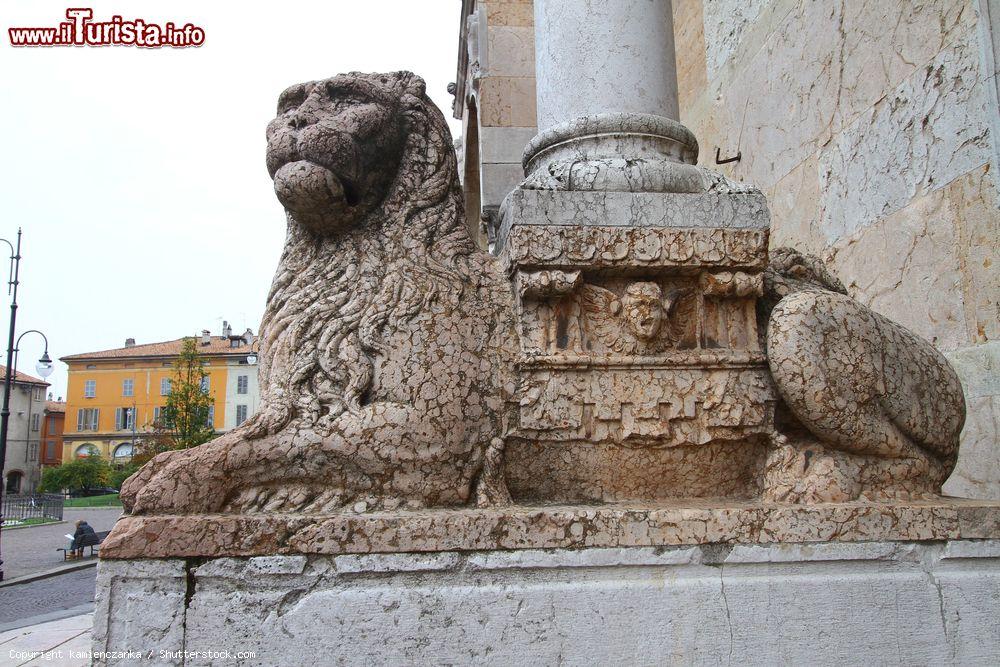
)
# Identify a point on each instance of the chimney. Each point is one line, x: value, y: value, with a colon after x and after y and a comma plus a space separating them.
x: 248, y: 336
x: 227, y: 330
x: 206, y: 337
x: 130, y: 342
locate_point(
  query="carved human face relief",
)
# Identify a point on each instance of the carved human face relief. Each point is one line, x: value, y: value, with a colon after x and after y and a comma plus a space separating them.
x: 642, y: 310
x: 333, y: 149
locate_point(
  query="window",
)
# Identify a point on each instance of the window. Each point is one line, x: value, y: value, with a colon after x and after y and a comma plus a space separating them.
x: 128, y: 387
x: 32, y: 451
x: 36, y: 422
x: 52, y: 424
x: 123, y: 451
x: 50, y: 450
x: 210, y: 419
x: 204, y: 385
x: 89, y: 388
x: 87, y: 450
x: 241, y: 414
x: 39, y: 393
x: 87, y: 419
x: 14, y: 482
x: 242, y: 384
x: 124, y: 419
x: 165, y: 387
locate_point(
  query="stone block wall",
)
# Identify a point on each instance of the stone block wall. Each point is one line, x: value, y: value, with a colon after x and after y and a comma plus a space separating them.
x: 496, y: 101
x: 871, y: 126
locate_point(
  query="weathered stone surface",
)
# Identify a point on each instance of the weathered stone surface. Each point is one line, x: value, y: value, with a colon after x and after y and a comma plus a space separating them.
x: 612, y: 354
x: 140, y: 603
x: 930, y: 130
x: 635, y: 209
x: 884, y: 400
x: 977, y: 473
x: 830, y: 62
x: 811, y: 604
x: 667, y: 523
x: 635, y: 59
x: 379, y: 283
x: 507, y: 101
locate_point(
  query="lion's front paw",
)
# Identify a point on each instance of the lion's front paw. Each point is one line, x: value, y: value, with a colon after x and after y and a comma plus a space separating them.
x: 178, y: 482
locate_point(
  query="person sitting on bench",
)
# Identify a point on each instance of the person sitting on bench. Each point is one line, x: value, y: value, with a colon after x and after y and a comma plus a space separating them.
x: 83, y: 537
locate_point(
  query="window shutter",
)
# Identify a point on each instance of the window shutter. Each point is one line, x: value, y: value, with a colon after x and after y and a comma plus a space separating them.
x: 97, y: 412
x: 118, y: 419
x: 79, y: 419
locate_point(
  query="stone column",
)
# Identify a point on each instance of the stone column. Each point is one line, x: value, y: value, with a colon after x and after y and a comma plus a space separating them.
x: 607, y: 100
x: 597, y: 57
x: 614, y: 217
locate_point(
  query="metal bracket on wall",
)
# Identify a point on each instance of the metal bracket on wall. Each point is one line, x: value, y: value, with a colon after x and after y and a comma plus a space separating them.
x: 719, y: 160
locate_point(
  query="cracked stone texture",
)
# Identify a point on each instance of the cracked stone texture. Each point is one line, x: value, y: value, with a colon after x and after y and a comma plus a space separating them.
x: 927, y: 132
x: 826, y: 603
x: 882, y: 408
x: 829, y: 62
x: 378, y: 282
x: 667, y: 523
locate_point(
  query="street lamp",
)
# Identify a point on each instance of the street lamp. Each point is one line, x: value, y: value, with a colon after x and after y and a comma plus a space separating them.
x: 43, y: 367
x: 252, y: 357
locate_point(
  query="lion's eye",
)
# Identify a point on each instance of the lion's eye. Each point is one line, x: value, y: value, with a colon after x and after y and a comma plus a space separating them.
x: 291, y: 98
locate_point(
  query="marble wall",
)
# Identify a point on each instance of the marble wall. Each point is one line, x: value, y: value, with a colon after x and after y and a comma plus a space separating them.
x: 871, y: 126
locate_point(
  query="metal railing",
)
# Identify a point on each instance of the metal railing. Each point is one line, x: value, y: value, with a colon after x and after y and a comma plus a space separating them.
x: 29, y: 506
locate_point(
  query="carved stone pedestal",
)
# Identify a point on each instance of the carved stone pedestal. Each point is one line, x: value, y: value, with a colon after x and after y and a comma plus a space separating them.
x: 642, y: 372
x: 701, y: 583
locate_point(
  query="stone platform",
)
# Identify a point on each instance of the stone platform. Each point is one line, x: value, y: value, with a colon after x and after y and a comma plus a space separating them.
x: 698, y: 582
x: 672, y: 523
x: 833, y: 603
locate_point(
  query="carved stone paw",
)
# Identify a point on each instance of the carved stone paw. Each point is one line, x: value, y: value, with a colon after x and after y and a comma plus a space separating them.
x: 183, y: 481
x: 805, y: 471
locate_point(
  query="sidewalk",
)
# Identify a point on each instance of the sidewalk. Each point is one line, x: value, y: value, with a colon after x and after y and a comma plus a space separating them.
x: 62, y: 643
x: 33, y: 549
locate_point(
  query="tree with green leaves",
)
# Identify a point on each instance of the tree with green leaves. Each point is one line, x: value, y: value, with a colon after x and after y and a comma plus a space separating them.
x: 89, y: 472
x: 184, y: 420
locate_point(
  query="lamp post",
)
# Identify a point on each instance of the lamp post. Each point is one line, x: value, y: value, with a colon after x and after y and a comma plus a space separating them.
x: 43, y: 367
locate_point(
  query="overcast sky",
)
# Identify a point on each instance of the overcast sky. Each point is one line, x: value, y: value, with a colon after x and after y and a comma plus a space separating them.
x: 138, y: 175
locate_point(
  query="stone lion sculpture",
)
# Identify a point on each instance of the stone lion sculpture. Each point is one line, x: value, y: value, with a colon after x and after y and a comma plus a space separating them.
x: 872, y: 410
x: 379, y: 283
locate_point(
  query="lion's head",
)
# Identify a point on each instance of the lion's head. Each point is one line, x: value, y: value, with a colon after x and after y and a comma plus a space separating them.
x: 336, y: 144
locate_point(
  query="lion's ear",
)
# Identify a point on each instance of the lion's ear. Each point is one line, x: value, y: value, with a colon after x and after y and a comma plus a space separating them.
x: 413, y: 84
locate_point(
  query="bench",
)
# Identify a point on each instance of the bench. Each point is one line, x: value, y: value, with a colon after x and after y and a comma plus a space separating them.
x: 69, y: 555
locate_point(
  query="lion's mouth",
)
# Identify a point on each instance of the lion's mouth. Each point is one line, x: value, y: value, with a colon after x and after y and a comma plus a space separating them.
x: 315, y: 194
x: 304, y: 182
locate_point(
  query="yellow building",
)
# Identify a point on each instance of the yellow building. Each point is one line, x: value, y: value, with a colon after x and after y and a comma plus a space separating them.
x: 115, y: 396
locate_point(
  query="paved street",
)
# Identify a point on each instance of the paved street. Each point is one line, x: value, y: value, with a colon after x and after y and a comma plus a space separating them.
x: 29, y: 550
x: 47, y: 596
